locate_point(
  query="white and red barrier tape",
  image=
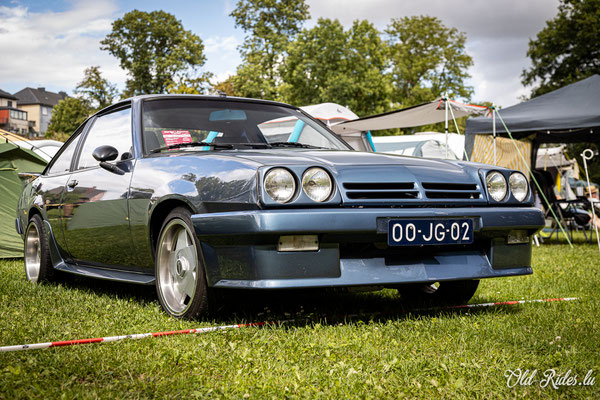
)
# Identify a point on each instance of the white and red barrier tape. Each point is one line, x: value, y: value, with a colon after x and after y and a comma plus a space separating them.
x: 37, y: 346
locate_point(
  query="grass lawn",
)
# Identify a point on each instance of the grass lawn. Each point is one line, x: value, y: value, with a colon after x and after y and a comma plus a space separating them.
x: 449, y: 354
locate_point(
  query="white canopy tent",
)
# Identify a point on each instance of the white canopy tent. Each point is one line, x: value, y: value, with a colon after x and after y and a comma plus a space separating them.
x: 423, y: 114
x: 333, y: 114
x: 552, y: 157
x: 440, y: 110
x: 330, y: 113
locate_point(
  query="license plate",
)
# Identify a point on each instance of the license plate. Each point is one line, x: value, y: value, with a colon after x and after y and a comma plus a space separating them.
x: 416, y: 232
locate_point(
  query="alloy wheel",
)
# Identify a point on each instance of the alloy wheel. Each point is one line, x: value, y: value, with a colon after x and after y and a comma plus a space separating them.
x: 177, y: 272
x: 33, y: 253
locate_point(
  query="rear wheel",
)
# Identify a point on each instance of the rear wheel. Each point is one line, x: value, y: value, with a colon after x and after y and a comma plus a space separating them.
x: 447, y: 292
x: 38, y: 266
x: 179, y: 271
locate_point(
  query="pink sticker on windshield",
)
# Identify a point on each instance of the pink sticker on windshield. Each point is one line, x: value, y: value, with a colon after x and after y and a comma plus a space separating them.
x: 176, y: 137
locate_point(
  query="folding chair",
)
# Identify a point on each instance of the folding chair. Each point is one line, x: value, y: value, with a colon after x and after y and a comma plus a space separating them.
x: 568, y: 212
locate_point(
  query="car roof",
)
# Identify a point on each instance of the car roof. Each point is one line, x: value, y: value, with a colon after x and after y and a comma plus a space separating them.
x: 205, y: 97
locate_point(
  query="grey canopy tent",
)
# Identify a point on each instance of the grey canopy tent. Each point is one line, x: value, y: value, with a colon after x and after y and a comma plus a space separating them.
x: 567, y: 115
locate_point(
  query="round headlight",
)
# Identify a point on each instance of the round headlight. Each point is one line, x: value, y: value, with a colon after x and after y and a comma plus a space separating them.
x: 280, y: 185
x: 496, y: 185
x: 317, y: 184
x: 518, y: 186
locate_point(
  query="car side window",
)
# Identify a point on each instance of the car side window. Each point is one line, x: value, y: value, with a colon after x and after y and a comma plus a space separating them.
x: 112, y: 129
x: 63, y: 162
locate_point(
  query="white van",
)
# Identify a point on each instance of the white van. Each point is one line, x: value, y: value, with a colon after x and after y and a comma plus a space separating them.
x: 422, y: 144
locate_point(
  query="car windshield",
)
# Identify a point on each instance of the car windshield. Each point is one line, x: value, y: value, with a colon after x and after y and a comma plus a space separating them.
x: 175, y: 122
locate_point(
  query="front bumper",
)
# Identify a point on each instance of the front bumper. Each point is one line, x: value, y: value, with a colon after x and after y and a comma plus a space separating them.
x: 239, y: 248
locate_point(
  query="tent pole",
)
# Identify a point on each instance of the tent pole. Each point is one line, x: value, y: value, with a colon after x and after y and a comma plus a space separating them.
x: 446, y: 122
x: 458, y: 131
x: 494, y: 132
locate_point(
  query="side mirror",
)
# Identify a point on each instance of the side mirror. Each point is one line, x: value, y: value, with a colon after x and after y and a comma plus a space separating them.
x: 105, y: 153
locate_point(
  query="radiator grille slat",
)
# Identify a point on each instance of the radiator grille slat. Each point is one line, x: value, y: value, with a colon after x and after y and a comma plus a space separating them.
x: 443, y: 190
x: 381, y: 190
x: 379, y: 185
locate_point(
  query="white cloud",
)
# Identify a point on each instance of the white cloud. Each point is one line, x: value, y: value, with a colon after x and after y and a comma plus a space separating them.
x: 221, y: 76
x: 52, y: 49
x: 227, y: 8
x: 222, y: 56
x: 220, y: 44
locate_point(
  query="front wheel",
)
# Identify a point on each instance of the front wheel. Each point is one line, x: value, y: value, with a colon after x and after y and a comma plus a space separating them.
x: 179, y: 271
x: 447, y: 292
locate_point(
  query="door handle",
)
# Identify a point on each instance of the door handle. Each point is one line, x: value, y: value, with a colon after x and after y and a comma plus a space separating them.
x: 72, y: 183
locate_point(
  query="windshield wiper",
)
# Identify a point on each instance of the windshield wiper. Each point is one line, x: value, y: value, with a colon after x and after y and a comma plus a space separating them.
x: 254, y: 145
x: 193, y: 144
x: 294, y: 144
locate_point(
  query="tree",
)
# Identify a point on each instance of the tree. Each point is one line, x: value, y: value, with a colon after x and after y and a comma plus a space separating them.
x: 227, y: 86
x: 95, y: 89
x: 567, y: 49
x: 427, y: 60
x: 67, y: 115
x: 269, y: 25
x: 187, y: 85
x: 328, y: 64
x: 154, y: 49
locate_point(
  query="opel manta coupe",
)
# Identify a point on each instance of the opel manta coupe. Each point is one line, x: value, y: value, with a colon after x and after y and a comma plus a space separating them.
x: 191, y: 193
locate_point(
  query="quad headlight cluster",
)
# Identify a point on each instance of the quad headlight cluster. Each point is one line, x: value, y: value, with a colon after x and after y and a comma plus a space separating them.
x: 497, y: 186
x: 280, y: 184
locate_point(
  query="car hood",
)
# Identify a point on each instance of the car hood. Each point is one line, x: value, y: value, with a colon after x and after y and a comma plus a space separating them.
x: 338, y: 158
x: 377, y: 178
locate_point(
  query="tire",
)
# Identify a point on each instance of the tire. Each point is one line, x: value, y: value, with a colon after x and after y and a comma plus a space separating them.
x: 179, y: 270
x: 448, y: 292
x: 36, y: 255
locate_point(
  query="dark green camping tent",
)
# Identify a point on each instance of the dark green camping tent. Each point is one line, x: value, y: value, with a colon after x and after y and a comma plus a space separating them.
x: 13, y: 159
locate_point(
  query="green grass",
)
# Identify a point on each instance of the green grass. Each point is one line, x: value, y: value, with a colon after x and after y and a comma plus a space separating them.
x: 385, y: 354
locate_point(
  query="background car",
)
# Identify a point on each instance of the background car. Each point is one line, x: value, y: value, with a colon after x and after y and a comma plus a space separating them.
x: 422, y: 144
x: 44, y: 148
x: 189, y: 193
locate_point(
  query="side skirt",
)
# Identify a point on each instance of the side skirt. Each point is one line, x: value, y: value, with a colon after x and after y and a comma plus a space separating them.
x: 92, y: 272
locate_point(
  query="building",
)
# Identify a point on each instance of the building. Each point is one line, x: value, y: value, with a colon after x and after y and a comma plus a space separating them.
x: 38, y: 103
x: 12, y: 119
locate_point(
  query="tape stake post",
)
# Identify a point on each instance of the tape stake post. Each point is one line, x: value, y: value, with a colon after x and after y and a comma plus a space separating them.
x: 533, y: 179
x: 588, y: 154
x: 66, y: 343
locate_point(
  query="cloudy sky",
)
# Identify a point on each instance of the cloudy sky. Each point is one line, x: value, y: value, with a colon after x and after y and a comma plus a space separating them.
x: 50, y: 43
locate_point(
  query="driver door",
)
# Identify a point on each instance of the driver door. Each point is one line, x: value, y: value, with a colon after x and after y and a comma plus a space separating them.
x: 95, y: 204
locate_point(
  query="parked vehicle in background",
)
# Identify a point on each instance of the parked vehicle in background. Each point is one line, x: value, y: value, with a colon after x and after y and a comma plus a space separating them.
x: 43, y: 148
x: 422, y: 144
x: 192, y: 193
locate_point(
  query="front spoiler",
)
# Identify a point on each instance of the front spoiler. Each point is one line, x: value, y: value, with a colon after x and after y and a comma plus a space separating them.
x: 239, y: 247
x: 361, y: 272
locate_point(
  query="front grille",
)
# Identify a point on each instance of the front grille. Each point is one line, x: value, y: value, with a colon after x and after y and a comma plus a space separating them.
x: 435, y: 190
x: 381, y: 190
